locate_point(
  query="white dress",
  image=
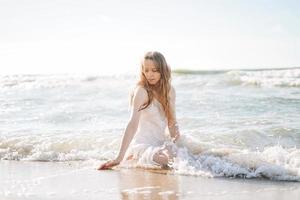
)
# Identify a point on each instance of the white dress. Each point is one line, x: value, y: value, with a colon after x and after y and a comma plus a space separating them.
x: 151, y: 136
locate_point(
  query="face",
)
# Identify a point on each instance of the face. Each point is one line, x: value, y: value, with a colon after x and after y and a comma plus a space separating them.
x: 151, y: 72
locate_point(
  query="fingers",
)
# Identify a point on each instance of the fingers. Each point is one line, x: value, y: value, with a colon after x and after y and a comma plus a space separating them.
x: 103, y: 167
x: 108, y: 165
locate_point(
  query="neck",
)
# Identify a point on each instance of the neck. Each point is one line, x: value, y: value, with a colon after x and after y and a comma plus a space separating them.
x: 155, y: 87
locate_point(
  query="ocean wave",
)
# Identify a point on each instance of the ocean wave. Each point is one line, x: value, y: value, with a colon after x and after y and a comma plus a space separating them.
x: 224, y: 71
x: 284, y: 77
x: 56, y: 148
x: 36, y: 81
x: 198, y: 72
x: 280, y: 78
x: 273, y: 162
x: 193, y: 157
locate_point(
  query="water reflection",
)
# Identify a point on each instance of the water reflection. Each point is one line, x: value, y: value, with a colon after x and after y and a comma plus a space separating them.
x: 148, y: 184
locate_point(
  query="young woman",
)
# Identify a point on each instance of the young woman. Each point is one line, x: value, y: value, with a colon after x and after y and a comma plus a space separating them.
x: 147, y: 138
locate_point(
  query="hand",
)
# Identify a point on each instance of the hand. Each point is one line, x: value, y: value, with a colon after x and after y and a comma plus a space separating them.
x: 109, y: 164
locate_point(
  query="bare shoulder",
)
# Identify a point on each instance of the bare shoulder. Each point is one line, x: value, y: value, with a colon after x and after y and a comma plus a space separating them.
x: 140, y: 93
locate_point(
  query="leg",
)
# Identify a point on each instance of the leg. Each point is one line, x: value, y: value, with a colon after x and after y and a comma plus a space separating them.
x: 163, y: 157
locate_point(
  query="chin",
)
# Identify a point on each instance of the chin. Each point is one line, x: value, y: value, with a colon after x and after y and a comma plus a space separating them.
x: 152, y: 84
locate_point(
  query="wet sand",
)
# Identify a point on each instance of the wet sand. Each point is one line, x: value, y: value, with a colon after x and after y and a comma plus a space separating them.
x: 50, y: 180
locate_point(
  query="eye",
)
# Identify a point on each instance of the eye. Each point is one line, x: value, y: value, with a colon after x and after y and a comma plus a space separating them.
x: 154, y: 70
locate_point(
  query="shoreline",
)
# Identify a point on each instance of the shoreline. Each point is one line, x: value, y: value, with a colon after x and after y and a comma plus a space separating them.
x: 52, y: 180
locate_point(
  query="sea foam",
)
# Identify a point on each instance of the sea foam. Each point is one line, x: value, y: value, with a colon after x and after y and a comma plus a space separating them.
x: 272, y: 77
x: 193, y: 157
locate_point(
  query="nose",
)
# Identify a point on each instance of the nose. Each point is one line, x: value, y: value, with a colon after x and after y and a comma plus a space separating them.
x: 150, y: 74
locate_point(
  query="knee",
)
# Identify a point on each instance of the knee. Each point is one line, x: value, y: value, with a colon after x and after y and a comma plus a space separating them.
x: 161, y: 158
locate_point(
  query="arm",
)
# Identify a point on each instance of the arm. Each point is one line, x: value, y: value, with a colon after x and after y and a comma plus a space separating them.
x: 173, y: 125
x: 140, y: 96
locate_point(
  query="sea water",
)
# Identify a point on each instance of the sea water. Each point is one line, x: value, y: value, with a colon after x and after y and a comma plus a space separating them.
x: 237, y: 123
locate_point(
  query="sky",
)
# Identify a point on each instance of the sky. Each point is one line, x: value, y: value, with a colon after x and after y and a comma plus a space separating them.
x: 109, y: 36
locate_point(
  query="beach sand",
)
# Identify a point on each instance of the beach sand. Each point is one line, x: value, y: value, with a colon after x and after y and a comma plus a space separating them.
x: 54, y: 180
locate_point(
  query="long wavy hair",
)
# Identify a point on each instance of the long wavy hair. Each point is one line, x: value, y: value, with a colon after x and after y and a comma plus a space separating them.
x: 163, y: 88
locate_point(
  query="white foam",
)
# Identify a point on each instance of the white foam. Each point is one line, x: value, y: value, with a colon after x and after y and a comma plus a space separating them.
x: 283, y: 78
x: 193, y: 157
x: 276, y: 163
x: 57, y: 148
x: 35, y: 81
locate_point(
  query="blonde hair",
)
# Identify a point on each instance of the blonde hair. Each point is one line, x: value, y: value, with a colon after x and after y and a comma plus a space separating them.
x: 164, y: 86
